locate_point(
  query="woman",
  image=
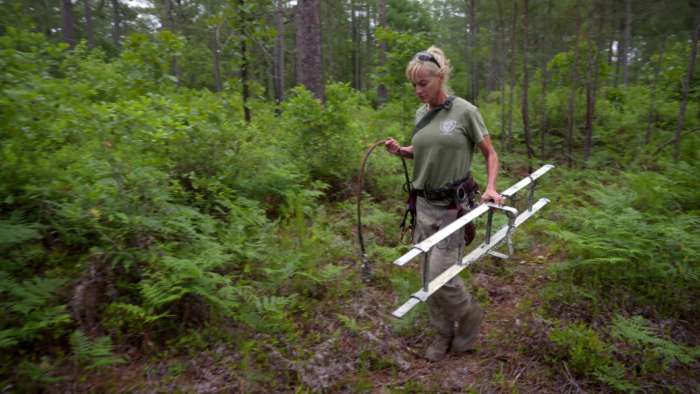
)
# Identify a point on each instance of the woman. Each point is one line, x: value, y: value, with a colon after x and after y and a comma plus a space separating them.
x: 442, y: 149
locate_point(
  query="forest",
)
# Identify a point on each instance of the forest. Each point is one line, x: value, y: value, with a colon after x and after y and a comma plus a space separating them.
x: 179, y: 180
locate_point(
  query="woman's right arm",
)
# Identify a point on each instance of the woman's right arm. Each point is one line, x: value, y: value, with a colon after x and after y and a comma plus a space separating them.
x: 393, y: 147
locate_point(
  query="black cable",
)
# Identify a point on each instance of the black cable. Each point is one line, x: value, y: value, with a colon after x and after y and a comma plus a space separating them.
x: 366, y: 269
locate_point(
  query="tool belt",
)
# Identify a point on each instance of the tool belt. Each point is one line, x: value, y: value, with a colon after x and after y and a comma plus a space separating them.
x: 462, y: 193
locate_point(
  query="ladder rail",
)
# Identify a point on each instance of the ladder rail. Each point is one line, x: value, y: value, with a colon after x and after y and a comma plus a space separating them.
x: 426, y: 245
x: 474, y: 256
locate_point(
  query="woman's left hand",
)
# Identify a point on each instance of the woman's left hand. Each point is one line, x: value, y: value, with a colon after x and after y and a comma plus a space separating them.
x: 492, y: 194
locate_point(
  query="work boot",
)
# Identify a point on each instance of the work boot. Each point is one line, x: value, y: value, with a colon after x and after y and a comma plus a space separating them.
x: 468, y: 328
x: 439, y: 347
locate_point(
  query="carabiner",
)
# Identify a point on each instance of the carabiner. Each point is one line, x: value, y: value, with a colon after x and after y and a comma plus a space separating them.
x: 403, y: 234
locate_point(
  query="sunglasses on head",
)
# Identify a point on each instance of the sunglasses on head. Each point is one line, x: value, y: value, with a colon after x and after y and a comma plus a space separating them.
x: 427, y: 57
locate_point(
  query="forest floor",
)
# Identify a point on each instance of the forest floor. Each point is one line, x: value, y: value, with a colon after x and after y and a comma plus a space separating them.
x: 368, y: 355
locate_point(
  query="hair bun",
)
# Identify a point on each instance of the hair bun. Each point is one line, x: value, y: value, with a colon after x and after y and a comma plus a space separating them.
x: 442, y: 66
x: 440, y: 57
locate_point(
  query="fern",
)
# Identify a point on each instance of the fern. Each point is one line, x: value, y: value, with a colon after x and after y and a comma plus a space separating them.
x: 638, y: 331
x: 27, y: 310
x: 15, y: 231
x: 268, y: 313
x: 614, y: 375
x: 351, y: 323
x: 96, y: 354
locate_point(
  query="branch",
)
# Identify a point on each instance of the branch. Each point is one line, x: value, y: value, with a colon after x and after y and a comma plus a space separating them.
x: 673, y: 139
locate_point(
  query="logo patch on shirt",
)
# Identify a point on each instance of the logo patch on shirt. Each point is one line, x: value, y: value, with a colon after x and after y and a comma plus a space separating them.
x: 447, y: 126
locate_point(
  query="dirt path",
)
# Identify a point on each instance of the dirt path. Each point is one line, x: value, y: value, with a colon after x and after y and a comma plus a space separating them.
x: 500, y: 362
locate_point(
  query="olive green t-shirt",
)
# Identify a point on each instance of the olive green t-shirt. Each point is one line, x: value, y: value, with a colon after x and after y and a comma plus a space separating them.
x: 443, y: 149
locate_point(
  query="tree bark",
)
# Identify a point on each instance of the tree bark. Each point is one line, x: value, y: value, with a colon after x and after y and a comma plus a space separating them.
x: 356, y: 42
x: 330, y: 43
x: 67, y: 23
x: 686, y: 87
x: 320, y: 47
x: 504, y: 64
x: 472, y: 48
x: 309, y: 12
x: 298, y: 46
x: 117, y: 33
x: 244, y: 81
x: 493, y: 64
x: 368, y: 46
x: 512, y: 80
x: 628, y: 38
x: 88, y: 24
x: 543, y: 120
x: 590, y: 105
x: 279, y: 53
x: 381, y: 89
x: 169, y: 18
x: 574, y: 76
x: 525, y: 107
x: 217, y: 69
x: 647, y: 136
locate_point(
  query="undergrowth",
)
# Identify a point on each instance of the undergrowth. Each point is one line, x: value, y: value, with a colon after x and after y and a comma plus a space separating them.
x: 140, y: 223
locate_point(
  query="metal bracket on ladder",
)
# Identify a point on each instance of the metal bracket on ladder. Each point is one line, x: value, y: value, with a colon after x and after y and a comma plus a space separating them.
x: 492, y: 242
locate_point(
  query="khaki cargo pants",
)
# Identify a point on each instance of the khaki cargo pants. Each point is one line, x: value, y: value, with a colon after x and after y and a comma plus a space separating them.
x: 450, y: 302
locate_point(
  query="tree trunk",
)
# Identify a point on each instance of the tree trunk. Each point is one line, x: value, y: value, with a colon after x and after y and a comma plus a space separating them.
x: 647, y: 136
x: 381, y: 89
x: 628, y: 44
x: 217, y: 70
x: 525, y: 107
x: 279, y: 53
x: 330, y: 43
x: 298, y: 46
x: 68, y: 25
x: 244, y: 81
x: 356, y: 53
x: 169, y: 18
x: 368, y: 45
x: 320, y: 47
x: 686, y: 87
x: 88, y: 24
x: 574, y: 76
x: 502, y: 73
x: 512, y: 80
x: 543, y: 121
x: 117, y: 33
x: 473, y: 46
x: 621, y: 52
x: 215, y: 50
x: 491, y: 86
x: 589, y: 90
x: 310, y: 65
x: 612, y: 24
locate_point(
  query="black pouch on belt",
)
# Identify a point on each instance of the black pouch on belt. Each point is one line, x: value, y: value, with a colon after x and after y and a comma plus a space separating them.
x: 410, y: 210
x: 462, y: 193
x: 465, y: 188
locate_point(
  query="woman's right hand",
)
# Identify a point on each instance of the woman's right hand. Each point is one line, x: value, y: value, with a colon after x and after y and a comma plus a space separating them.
x: 392, y: 146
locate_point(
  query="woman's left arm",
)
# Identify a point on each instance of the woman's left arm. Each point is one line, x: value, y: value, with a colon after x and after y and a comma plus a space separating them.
x: 491, y: 171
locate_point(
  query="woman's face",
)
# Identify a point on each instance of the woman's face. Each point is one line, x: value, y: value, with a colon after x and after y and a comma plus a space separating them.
x: 427, y: 86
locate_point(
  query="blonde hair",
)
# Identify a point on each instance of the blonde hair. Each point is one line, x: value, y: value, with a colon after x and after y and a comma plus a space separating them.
x: 432, y: 68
